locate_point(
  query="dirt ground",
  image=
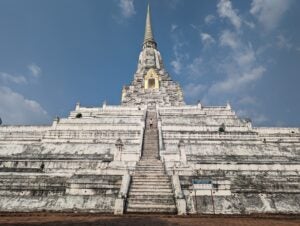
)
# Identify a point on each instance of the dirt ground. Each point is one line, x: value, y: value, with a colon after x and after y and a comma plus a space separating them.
x: 66, y: 219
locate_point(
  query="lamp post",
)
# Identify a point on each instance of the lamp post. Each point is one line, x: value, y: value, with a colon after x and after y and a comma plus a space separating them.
x: 119, y: 145
x: 182, y: 154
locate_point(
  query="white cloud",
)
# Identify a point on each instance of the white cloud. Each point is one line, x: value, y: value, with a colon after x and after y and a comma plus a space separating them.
x: 35, y: 70
x: 5, y: 77
x: 195, y: 68
x: 256, y: 118
x: 249, y: 24
x: 240, y: 67
x: 237, y: 82
x: 247, y: 100
x: 194, y: 90
x: 180, y: 56
x: 209, y: 18
x: 229, y: 39
x: 207, y: 39
x: 225, y: 10
x: 269, y: 12
x: 283, y: 42
x: 127, y: 8
x: 177, y: 65
x: 245, y: 57
x: 174, y: 27
x: 173, y: 3
x: 16, y: 109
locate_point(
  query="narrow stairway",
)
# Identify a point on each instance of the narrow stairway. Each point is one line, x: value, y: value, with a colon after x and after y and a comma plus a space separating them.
x: 150, y: 190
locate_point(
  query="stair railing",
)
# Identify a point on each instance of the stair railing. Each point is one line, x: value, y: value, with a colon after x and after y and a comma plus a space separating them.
x: 144, y: 125
x: 159, y: 127
x: 120, y: 202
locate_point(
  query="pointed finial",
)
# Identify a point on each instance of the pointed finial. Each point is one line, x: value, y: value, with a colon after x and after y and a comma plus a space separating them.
x: 149, y: 39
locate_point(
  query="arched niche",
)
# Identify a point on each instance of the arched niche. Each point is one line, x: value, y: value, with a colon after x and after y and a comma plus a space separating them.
x: 152, y: 80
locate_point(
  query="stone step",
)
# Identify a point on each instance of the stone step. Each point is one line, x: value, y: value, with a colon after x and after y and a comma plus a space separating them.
x: 147, y: 192
x: 151, y: 186
x: 168, y: 201
x: 152, y: 193
x: 150, y: 166
x: 150, y: 181
x: 150, y: 162
x: 156, y: 166
x: 150, y: 145
x: 153, y: 162
x: 153, y: 206
x: 149, y: 154
x: 149, y: 169
x: 151, y: 196
x: 150, y: 150
x: 151, y: 209
x: 152, y: 157
x: 150, y: 134
x: 152, y: 172
x: 151, y: 190
x: 157, y: 189
x: 143, y: 173
x: 155, y: 157
x: 146, y: 177
x: 150, y: 176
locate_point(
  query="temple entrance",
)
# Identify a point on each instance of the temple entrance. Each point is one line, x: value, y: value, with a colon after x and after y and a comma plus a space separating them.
x: 152, y: 80
x: 151, y: 83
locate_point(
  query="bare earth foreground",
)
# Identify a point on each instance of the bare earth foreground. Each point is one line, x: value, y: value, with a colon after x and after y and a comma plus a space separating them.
x: 54, y: 219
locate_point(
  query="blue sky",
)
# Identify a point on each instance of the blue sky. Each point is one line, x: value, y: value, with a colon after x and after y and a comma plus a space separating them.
x: 54, y: 53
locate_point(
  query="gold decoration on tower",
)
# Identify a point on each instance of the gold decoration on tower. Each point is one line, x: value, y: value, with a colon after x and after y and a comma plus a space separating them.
x: 152, y: 80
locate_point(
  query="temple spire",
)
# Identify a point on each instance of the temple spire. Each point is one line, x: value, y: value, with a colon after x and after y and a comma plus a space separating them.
x: 148, y: 39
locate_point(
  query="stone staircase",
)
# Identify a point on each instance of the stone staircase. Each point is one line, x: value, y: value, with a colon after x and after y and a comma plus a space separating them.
x: 151, y: 189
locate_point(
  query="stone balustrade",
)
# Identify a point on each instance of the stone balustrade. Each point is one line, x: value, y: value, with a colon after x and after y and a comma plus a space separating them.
x: 277, y: 130
x: 38, y: 192
x: 263, y: 189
